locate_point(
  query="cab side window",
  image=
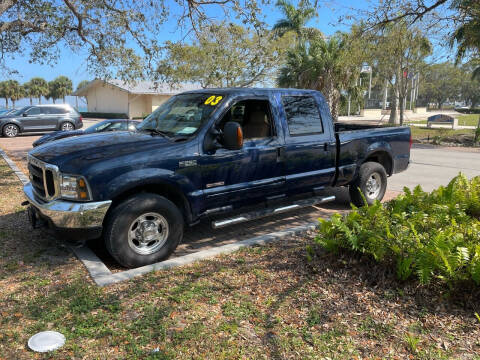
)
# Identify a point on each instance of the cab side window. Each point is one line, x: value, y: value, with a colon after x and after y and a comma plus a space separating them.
x: 254, y: 116
x: 303, y: 117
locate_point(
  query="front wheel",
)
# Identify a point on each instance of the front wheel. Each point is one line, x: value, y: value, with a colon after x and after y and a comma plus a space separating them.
x: 142, y: 230
x: 10, y: 130
x: 372, y: 182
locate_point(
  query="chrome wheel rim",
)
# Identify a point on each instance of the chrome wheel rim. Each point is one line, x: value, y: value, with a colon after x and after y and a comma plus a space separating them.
x: 148, y: 233
x: 373, y: 186
x: 11, y: 130
x: 67, y: 127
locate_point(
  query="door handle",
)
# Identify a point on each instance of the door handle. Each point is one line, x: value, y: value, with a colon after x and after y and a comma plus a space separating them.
x: 325, y: 146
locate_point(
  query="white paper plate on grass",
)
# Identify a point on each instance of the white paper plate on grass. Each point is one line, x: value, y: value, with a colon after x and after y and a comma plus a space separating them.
x: 46, y: 341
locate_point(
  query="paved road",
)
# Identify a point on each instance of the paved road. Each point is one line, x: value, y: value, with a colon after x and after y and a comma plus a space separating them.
x: 432, y: 166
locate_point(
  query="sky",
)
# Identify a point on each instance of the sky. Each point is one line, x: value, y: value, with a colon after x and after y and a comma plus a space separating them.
x: 74, y: 66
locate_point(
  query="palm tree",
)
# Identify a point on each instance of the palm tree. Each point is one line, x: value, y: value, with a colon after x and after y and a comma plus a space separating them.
x: 37, y: 87
x: 16, y: 91
x: 467, y: 35
x: 295, y: 20
x: 5, y: 92
x: 59, y: 88
x: 28, y: 91
x: 320, y: 65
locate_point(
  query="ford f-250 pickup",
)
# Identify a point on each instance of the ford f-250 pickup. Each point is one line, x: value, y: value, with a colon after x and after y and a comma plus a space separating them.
x: 230, y: 155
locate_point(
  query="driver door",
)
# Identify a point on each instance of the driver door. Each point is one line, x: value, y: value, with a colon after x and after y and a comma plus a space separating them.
x: 233, y: 178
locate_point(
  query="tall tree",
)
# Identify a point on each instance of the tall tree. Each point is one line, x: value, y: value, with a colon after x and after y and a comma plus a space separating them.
x: 28, y: 92
x: 295, y: 19
x: 456, y: 20
x: 401, y: 52
x: 59, y: 88
x: 467, y: 35
x: 223, y: 55
x: 16, y: 91
x: 37, y: 87
x: 323, y: 65
x: 5, y: 91
x: 470, y: 85
x: 441, y: 82
x: 119, y: 36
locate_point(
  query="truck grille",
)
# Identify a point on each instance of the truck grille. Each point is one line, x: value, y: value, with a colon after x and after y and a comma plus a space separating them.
x: 44, y: 178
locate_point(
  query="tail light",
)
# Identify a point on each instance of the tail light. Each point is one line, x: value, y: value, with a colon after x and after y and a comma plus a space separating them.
x: 81, y: 119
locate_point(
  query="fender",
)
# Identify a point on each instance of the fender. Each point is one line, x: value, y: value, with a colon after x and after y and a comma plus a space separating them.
x: 10, y: 121
x: 157, y: 179
x: 379, y: 147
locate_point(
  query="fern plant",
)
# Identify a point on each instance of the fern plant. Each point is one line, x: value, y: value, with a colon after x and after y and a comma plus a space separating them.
x: 428, y: 235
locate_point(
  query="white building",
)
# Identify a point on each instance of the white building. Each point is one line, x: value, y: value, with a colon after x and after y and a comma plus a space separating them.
x: 132, y: 99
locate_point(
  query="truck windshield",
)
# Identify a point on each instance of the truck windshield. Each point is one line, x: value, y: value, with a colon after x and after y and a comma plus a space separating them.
x: 181, y: 115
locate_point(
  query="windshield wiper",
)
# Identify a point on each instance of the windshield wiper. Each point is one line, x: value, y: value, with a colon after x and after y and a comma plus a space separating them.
x: 158, y: 132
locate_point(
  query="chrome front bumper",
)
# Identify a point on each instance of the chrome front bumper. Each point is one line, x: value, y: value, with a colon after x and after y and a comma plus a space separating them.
x: 67, y: 214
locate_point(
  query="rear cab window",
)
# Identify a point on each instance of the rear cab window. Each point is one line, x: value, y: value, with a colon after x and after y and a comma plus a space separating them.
x: 302, y: 115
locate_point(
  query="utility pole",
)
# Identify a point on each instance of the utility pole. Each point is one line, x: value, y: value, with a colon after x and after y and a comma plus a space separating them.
x: 411, y: 92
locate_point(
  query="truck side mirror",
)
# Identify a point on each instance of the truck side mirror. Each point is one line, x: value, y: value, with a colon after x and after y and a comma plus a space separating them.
x: 24, y: 114
x: 232, y: 136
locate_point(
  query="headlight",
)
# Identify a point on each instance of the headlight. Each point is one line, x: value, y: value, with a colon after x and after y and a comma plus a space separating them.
x: 74, y: 187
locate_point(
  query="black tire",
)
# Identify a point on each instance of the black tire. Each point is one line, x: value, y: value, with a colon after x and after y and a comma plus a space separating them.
x: 367, y: 171
x: 68, y: 124
x: 122, y: 219
x: 10, y: 130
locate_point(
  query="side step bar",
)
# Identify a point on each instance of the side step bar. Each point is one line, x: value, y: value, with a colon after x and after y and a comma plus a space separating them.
x: 271, y: 211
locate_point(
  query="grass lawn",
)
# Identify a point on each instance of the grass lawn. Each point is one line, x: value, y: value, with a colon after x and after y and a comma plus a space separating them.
x: 469, y: 119
x: 423, y: 132
x: 258, y: 303
x: 463, y: 120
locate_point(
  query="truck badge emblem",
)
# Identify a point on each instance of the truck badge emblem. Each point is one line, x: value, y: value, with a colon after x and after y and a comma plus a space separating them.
x: 187, y: 163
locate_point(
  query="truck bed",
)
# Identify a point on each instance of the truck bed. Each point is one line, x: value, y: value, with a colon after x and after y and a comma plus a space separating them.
x: 358, y: 143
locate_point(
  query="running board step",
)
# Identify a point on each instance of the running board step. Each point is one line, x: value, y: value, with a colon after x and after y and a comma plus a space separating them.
x: 271, y: 211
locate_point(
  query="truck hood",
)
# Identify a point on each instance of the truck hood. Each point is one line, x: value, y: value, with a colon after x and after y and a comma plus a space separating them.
x: 94, y: 147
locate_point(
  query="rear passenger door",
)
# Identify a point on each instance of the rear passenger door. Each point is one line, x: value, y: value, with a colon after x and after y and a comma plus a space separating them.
x: 54, y: 116
x: 309, y: 144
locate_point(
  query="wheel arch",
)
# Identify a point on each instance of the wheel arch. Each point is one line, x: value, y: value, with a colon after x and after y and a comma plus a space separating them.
x: 382, y: 157
x: 9, y: 122
x: 162, y: 188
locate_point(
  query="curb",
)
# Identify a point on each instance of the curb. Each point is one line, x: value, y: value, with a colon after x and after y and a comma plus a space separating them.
x: 104, y: 280
x: 21, y: 176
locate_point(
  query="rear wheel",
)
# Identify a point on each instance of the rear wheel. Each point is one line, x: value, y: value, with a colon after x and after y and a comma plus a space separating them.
x: 144, y: 229
x: 67, y: 126
x: 372, y: 182
x: 10, y: 130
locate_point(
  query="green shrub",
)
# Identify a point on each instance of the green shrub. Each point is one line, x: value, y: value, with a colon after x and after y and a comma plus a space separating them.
x: 427, y: 235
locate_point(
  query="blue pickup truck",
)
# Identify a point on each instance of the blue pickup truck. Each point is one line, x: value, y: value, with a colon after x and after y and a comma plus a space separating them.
x: 227, y: 155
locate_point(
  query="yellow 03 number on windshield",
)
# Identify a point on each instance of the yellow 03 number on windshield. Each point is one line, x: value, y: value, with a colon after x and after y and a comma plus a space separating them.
x: 213, y: 100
